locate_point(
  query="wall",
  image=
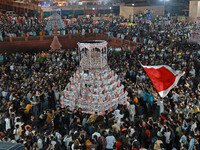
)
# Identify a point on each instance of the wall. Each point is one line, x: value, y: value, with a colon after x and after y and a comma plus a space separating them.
x: 194, y: 10
x: 125, y: 11
x: 42, y: 43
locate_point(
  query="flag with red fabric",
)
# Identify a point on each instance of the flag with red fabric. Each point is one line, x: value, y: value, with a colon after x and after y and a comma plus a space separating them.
x: 19, y: 20
x: 134, y: 49
x: 163, y: 77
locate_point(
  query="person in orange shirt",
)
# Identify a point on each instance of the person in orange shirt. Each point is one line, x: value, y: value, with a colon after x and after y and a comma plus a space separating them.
x: 135, y: 100
x: 88, y: 143
x: 40, y: 33
x: 43, y: 33
x: 28, y: 107
x: 49, y: 117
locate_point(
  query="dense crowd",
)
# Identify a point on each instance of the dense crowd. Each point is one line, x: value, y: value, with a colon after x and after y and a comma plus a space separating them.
x: 31, y: 87
x: 33, y: 26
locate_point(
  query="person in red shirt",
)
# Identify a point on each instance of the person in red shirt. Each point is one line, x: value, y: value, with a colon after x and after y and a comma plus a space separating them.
x: 118, y: 145
x: 148, y: 132
x: 124, y: 129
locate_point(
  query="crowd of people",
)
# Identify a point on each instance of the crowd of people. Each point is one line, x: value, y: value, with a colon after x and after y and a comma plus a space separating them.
x: 31, y: 87
x: 32, y: 26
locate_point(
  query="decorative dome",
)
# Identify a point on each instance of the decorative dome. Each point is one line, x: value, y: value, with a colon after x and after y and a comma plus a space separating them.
x: 55, y: 19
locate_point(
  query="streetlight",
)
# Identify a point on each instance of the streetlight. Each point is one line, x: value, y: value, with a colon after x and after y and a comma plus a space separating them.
x: 164, y: 1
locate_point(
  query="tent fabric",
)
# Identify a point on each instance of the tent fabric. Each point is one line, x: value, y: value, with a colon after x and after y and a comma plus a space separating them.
x: 11, y: 146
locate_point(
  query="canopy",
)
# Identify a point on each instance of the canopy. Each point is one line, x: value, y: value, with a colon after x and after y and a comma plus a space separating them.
x: 11, y: 146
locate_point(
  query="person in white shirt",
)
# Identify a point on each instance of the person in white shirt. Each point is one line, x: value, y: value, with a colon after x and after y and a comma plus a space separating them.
x: 83, y: 32
x: 29, y: 95
x: 67, y: 139
x: 58, y: 136
x: 117, y: 115
x: 120, y: 123
x: 4, y: 93
x: 167, y: 134
x: 193, y: 127
x: 97, y: 134
x: 53, y: 143
x: 8, y: 125
x: 175, y: 96
x: 131, y: 108
x: 183, y: 140
x: 12, y: 67
x: 16, y: 132
x: 161, y: 104
x: 110, y: 139
x: 18, y: 122
x: 39, y: 143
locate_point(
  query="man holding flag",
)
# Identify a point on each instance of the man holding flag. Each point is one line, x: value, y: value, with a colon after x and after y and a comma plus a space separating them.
x: 19, y: 21
x: 163, y: 77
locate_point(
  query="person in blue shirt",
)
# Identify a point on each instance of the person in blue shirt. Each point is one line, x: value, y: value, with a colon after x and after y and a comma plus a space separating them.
x: 149, y: 100
x: 185, y: 125
x: 144, y: 97
x: 1, y: 59
x: 110, y: 139
x: 74, y: 31
x: 34, y: 33
x: 191, y: 145
x: 196, y: 144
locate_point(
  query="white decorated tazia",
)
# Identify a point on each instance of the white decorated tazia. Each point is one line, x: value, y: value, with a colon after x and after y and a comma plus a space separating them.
x: 55, y: 18
x: 94, y: 87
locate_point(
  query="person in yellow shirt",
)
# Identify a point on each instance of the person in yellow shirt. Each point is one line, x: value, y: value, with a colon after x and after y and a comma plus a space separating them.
x: 179, y: 54
x: 196, y: 109
x: 28, y: 107
x: 92, y: 118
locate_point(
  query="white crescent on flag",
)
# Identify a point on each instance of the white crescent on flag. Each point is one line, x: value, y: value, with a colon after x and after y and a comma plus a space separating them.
x: 163, y: 77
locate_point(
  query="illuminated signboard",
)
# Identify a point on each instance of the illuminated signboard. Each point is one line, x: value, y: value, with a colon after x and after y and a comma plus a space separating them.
x: 45, y: 4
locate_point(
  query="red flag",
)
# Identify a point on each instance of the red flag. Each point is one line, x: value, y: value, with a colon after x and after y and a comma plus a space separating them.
x: 163, y: 77
x: 134, y: 49
x: 19, y: 20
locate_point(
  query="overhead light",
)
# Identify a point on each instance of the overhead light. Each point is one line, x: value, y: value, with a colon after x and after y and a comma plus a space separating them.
x: 133, y: 4
x: 93, y: 8
x: 110, y: 7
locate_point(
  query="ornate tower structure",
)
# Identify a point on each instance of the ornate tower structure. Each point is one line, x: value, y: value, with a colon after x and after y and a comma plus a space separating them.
x: 94, y: 87
x: 55, y: 45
